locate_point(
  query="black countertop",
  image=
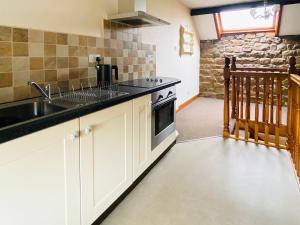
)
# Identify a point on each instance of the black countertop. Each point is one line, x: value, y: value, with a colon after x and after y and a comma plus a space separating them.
x: 20, y: 129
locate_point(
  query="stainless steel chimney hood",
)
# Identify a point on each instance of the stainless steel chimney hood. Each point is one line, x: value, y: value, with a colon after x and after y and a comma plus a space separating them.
x: 133, y: 13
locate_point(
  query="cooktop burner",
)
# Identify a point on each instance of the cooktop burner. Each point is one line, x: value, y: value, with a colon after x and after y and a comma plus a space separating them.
x: 148, y: 82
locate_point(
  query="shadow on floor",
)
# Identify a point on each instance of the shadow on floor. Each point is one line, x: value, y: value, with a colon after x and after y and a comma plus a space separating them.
x: 202, y: 118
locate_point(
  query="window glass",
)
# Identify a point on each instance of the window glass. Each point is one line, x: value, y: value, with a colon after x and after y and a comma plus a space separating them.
x: 242, y: 20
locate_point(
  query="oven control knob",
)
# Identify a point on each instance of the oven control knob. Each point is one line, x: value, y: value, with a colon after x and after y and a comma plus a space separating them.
x: 151, y: 80
x: 156, y: 80
x: 170, y: 93
x: 160, y: 97
x: 147, y: 79
x: 160, y: 80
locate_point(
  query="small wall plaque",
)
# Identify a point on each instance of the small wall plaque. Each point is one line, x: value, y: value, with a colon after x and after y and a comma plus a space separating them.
x: 186, y: 42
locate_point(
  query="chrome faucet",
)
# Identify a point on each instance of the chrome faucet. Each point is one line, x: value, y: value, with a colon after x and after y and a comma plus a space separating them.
x: 45, y: 92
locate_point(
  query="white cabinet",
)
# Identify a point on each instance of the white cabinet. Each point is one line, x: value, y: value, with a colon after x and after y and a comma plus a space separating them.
x: 71, y: 173
x: 141, y: 134
x: 105, y: 159
x: 39, y: 178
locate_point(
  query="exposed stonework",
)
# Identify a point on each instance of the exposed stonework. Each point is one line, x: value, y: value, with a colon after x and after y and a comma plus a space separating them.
x: 251, y: 50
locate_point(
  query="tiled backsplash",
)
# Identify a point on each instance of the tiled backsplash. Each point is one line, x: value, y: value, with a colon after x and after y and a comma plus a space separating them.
x: 62, y: 59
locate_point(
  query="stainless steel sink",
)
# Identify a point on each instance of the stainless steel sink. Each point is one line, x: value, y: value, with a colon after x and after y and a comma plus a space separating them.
x: 22, y: 112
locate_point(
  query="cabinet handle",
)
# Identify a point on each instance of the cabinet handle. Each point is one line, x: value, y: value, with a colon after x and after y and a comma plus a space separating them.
x: 74, y: 135
x: 88, y: 130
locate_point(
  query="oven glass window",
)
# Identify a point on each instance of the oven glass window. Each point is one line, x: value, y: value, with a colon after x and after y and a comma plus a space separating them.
x: 164, y: 116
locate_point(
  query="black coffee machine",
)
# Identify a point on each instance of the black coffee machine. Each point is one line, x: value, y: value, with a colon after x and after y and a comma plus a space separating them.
x: 105, y: 73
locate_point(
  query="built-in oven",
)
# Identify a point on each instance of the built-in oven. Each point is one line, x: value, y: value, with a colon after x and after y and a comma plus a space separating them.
x: 163, y: 115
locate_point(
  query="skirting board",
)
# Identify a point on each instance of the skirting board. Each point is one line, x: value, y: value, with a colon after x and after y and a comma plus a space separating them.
x: 186, y: 103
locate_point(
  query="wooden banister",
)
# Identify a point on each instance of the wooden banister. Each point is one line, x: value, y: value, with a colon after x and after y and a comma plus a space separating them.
x: 233, y: 100
x: 226, y: 132
x: 266, y: 127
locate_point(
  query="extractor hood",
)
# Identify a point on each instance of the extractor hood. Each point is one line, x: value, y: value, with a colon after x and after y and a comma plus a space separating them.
x: 134, y: 14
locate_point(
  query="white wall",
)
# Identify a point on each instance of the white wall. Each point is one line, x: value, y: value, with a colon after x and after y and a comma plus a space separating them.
x: 68, y: 16
x: 86, y: 17
x: 166, y: 39
x: 290, y: 19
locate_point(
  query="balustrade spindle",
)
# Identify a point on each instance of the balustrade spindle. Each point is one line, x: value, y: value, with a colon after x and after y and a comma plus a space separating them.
x: 266, y: 108
x: 256, y: 109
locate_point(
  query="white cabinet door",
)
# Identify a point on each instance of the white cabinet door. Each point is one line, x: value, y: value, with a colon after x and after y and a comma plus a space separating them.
x: 105, y: 158
x: 141, y: 134
x: 39, y: 178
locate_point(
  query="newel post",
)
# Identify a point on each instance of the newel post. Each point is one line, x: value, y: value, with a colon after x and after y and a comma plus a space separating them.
x: 226, y: 132
x: 233, y: 94
x: 292, y: 70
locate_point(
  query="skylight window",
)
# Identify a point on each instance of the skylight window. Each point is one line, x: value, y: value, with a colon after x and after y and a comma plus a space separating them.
x: 241, y: 21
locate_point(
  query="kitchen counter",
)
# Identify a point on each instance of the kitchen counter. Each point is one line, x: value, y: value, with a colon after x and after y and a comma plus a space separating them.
x: 20, y: 129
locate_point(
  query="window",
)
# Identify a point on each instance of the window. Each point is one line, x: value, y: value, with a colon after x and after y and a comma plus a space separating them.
x: 241, y: 21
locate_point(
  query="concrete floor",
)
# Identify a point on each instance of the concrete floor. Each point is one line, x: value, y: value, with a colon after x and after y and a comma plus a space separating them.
x: 215, y: 182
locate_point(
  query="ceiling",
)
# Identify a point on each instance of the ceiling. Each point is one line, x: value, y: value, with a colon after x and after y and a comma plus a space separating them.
x: 204, y: 3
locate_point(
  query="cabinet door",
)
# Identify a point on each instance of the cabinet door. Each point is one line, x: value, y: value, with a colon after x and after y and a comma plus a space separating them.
x: 39, y: 178
x: 141, y: 134
x: 105, y: 158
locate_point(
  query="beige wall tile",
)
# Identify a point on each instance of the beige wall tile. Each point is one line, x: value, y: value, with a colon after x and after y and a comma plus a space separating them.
x: 20, y: 64
x: 36, y: 36
x: 33, y: 92
x: 62, y: 62
x: 6, y: 94
x: 99, y: 42
x: 92, y: 72
x: 91, y: 41
x: 20, y: 78
x: 37, y: 76
x: 82, y: 51
x: 5, y: 80
x: 62, y: 74
x: 20, y: 35
x: 5, y: 33
x: 91, y: 50
x: 50, y: 38
x: 74, y: 83
x: 36, y: 63
x: 61, y: 39
x: 20, y: 49
x: 73, y: 62
x: 73, y: 51
x: 50, y: 50
x: 36, y: 49
x: 83, y: 72
x: 50, y: 75
x: 64, y: 85
x: 73, y: 73
x: 83, y: 62
x: 62, y: 50
x: 5, y: 49
x: 21, y: 92
x: 5, y: 65
x: 50, y: 63
x: 73, y: 40
x: 82, y: 41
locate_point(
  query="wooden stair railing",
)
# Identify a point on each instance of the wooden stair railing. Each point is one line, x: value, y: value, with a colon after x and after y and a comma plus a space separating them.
x: 263, y: 87
x: 294, y: 115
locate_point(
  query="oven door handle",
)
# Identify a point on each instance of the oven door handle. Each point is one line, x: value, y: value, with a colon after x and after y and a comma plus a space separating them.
x: 165, y: 102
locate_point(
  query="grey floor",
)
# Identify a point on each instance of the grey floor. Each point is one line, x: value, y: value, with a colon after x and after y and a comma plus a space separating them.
x: 204, y: 118
x: 215, y: 182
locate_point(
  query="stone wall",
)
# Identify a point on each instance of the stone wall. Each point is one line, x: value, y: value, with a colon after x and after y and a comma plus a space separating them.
x: 251, y: 50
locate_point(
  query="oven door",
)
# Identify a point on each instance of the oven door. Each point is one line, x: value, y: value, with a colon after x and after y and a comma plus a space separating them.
x: 163, y: 120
